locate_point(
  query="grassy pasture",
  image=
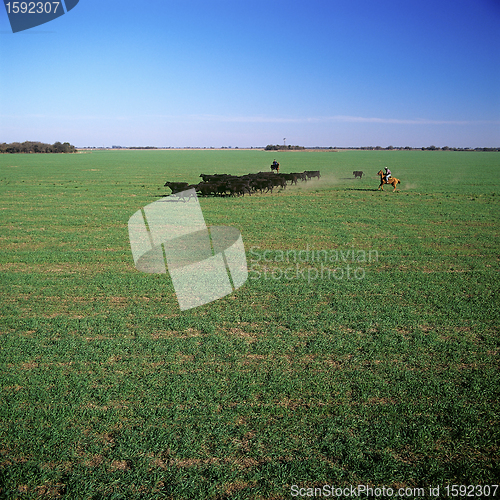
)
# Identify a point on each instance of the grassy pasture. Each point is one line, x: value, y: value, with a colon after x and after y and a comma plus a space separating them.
x: 389, y: 377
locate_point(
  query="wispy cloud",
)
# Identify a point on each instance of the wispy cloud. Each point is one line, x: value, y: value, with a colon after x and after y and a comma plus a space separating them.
x: 257, y: 119
x: 418, y: 121
x: 336, y: 118
x: 48, y: 116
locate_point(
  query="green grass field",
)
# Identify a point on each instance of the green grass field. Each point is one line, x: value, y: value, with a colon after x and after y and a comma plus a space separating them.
x: 388, y: 377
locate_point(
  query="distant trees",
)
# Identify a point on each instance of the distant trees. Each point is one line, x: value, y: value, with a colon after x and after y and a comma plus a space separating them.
x: 447, y: 148
x: 409, y: 148
x: 282, y: 147
x: 430, y: 148
x: 37, y: 147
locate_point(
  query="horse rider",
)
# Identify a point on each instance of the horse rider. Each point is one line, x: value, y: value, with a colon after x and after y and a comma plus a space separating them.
x: 387, y: 174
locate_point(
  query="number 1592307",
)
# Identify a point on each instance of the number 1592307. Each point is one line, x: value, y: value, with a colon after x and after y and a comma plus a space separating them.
x: 32, y: 7
x: 471, y: 491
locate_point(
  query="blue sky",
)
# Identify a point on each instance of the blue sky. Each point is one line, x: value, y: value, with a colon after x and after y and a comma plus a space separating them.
x: 247, y: 73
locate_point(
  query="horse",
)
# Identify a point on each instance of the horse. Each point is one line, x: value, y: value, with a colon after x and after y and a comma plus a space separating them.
x: 392, y: 181
x: 276, y: 167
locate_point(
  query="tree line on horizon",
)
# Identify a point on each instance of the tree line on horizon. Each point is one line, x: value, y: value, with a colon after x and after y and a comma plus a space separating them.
x: 277, y: 147
x: 37, y: 147
x: 431, y: 148
x: 282, y: 147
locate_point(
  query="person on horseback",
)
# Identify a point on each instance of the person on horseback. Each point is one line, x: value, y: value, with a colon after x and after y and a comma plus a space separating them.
x: 387, y: 174
x: 275, y: 166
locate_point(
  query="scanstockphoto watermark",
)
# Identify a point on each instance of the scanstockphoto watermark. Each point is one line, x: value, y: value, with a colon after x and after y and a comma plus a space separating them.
x: 310, y: 264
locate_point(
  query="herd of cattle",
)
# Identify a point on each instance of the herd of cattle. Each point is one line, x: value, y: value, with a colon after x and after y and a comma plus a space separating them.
x: 239, y: 185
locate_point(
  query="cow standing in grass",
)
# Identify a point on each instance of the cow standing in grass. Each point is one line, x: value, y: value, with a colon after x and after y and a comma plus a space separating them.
x: 312, y: 173
x: 176, y: 187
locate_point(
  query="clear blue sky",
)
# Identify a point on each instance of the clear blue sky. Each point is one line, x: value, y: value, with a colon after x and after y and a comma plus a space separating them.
x: 252, y: 72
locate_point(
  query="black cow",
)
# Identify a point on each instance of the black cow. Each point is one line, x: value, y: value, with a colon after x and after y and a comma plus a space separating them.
x: 312, y: 173
x: 357, y: 173
x: 261, y: 183
x: 239, y: 187
x: 206, y: 188
x: 215, y: 177
x: 278, y: 181
x: 176, y: 186
x: 290, y: 177
x: 300, y: 175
